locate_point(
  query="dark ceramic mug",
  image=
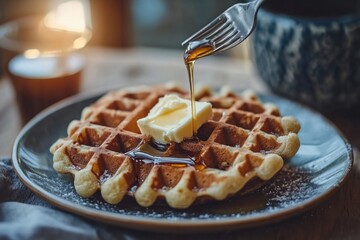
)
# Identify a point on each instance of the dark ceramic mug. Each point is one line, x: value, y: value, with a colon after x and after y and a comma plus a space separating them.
x: 310, y: 51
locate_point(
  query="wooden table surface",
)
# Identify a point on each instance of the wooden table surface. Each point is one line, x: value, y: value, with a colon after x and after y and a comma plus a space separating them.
x: 336, y: 218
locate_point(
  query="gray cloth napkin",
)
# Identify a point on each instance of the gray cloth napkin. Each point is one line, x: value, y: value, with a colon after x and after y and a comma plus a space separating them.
x: 23, y: 215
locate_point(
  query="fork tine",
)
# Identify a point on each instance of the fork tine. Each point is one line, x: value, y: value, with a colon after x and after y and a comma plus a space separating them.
x: 239, y: 40
x: 213, y: 25
x: 223, y: 34
x: 227, y: 30
x: 231, y: 41
x: 217, y: 33
x: 225, y: 39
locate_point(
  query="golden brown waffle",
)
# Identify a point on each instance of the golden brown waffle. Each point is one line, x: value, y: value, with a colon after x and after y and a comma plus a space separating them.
x: 244, y: 140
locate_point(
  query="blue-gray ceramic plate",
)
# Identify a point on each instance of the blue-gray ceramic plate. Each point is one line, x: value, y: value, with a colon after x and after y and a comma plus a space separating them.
x: 318, y: 169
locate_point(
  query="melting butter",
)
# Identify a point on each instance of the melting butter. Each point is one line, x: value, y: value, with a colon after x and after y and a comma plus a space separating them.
x: 170, y: 120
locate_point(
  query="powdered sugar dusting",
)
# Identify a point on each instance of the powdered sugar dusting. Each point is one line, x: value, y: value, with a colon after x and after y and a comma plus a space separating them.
x: 288, y: 188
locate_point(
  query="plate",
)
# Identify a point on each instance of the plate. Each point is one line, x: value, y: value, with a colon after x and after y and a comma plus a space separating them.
x: 318, y: 169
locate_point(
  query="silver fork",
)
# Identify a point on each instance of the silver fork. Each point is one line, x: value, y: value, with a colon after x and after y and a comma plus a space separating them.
x: 229, y: 29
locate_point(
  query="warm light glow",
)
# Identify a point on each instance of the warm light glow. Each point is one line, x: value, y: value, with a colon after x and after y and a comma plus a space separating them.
x: 79, y: 43
x: 68, y: 16
x: 32, y: 53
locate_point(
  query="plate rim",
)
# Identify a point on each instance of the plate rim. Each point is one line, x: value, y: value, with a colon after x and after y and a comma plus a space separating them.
x: 165, y: 224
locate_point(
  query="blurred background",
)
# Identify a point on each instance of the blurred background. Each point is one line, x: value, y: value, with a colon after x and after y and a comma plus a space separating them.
x: 125, y: 23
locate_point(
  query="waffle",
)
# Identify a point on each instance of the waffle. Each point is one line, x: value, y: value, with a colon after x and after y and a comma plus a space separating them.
x: 244, y: 140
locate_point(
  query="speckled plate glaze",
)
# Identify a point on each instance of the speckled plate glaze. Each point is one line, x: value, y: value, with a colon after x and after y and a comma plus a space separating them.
x: 313, y: 174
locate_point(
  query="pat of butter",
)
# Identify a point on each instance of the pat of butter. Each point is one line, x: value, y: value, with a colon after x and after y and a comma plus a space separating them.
x: 170, y: 120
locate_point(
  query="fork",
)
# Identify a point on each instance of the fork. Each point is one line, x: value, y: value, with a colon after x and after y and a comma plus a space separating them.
x: 229, y: 29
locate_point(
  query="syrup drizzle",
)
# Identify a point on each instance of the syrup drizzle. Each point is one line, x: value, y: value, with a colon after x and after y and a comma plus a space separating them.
x: 194, y: 51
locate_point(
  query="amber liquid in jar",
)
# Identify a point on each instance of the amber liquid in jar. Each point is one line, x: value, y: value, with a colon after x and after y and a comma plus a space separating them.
x: 41, y: 81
